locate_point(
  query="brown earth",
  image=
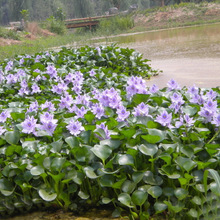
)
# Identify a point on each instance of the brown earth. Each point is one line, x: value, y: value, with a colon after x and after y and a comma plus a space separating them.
x: 34, y: 32
x: 4, y: 42
x: 179, y: 16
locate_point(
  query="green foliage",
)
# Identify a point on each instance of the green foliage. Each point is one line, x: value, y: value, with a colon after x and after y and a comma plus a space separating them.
x: 25, y: 15
x: 54, y: 25
x: 115, y: 24
x: 144, y: 168
x: 9, y: 34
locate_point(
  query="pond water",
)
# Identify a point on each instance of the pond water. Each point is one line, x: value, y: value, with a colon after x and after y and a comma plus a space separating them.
x: 190, y: 55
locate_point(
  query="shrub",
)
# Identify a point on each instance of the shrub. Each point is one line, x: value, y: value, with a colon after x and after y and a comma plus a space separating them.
x: 54, y: 25
x: 10, y: 34
x: 116, y: 24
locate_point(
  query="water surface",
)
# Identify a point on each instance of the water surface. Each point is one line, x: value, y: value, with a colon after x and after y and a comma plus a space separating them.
x: 190, y: 55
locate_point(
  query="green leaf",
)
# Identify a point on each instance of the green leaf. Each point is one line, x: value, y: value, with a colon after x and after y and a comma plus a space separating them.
x: 148, y: 149
x: 57, y: 163
x: 47, y: 196
x: 215, y: 187
x: 126, y: 159
x: 152, y: 179
x: 168, y: 191
x: 83, y: 195
x: 90, y: 173
x: 181, y: 193
x: 155, y: 191
x: 125, y: 199
x: 185, y: 163
x: 107, y: 180
x: 6, y: 187
x: 177, y: 208
x: 113, y: 144
x: 106, y: 200
x: 137, y: 176
x: 57, y: 146
x: 72, y: 141
x: 197, y: 200
x: 193, y: 213
x: 102, y: 151
x: 37, y: 170
x: 189, y: 110
x: 128, y: 186
x: 157, y: 132
x: 159, y: 207
x: 12, y: 137
x: 152, y: 139
x: 128, y: 133
x: 139, y: 197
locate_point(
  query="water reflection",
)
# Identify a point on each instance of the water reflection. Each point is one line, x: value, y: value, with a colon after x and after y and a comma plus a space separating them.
x: 189, y: 55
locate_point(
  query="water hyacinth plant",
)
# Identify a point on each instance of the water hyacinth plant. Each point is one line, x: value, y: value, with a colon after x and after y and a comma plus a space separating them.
x: 81, y: 128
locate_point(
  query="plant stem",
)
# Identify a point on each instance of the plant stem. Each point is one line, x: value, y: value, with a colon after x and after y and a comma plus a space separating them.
x: 216, y: 134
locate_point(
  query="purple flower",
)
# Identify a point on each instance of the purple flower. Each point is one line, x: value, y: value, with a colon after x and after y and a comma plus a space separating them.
x: 36, y: 71
x: 141, y: 110
x: 80, y: 112
x: 211, y: 105
x: 105, y: 129
x: 9, y: 66
x: 193, y: 90
x: 64, y: 103
x: 136, y: 85
x: 21, y: 61
x: 164, y: 118
x: 172, y: 84
x: 122, y: 113
x: 82, y: 100
x: 2, y: 130
x: 11, y: 79
x: 69, y: 78
x: 49, y: 126
x: 21, y: 73
x: 48, y: 105
x: 33, y: 107
x: 35, y: 88
x: 216, y: 120
x: 75, y: 127
x: 211, y: 94
x: 98, y: 110
x: 115, y: 101
x: 23, y: 91
x: 46, y: 117
x: 196, y: 98
x: 207, y: 114
x: 153, y: 89
x: 4, y: 115
x: 29, y: 125
x: 24, y: 84
x: 189, y: 121
x: 51, y: 71
x: 92, y: 73
x: 176, y: 98
x: 99, y: 53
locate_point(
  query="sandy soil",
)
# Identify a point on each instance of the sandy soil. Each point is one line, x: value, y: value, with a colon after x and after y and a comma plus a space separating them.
x: 171, y: 16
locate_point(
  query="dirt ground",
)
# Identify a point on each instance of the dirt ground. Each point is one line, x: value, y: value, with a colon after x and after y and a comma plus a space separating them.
x: 179, y: 16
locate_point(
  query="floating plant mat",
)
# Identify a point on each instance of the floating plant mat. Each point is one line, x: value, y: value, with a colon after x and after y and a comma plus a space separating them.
x: 80, y: 128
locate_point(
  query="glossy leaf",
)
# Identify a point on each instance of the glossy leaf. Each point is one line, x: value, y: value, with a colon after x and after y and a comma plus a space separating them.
x: 139, y: 197
x: 125, y: 199
x: 148, y: 149
x: 47, y: 196
x: 102, y: 151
